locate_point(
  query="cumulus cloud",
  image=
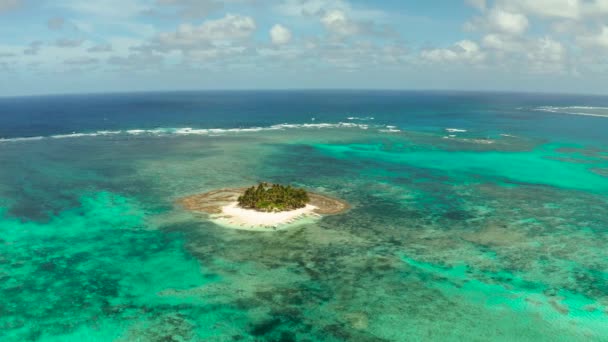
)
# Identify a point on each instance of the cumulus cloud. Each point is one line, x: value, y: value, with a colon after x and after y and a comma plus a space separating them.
x: 280, y: 35
x: 545, y: 8
x: 224, y: 30
x: 337, y: 22
x: 502, y: 42
x: 543, y: 55
x: 55, y: 23
x: 339, y: 18
x: 556, y: 9
x: 507, y: 22
x: 595, y: 40
x: 230, y: 43
x: 547, y: 56
x: 226, y: 41
x: 463, y: 51
x: 515, y: 36
x: 310, y: 8
x: 563, y: 29
x: 501, y: 21
x: 317, y: 8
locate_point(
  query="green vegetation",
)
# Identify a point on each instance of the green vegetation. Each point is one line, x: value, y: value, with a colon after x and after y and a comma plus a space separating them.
x: 273, y: 197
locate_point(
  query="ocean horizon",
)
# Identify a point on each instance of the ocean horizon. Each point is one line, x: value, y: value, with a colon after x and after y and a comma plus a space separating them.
x: 473, y: 216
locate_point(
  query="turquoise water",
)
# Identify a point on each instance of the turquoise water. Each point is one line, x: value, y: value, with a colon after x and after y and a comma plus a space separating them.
x: 477, y: 236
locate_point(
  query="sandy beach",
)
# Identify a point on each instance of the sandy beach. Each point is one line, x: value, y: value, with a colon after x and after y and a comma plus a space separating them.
x: 233, y: 216
x: 223, y: 209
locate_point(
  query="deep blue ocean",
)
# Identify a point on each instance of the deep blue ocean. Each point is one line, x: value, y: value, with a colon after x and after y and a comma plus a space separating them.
x: 431, y: 111
x: 474, y: 217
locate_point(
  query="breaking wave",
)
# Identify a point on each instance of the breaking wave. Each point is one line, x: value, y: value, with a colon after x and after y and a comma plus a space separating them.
x: 455, y: 130
x: 390, y: 129
x: 575, y: 110
x: 203, y: 131
x: 360, y: 118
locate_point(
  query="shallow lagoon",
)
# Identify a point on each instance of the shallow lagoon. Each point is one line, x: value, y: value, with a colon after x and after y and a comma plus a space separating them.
x: 473, y: 237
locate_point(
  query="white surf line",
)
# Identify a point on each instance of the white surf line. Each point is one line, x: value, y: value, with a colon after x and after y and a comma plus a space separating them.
x: 191, y: 131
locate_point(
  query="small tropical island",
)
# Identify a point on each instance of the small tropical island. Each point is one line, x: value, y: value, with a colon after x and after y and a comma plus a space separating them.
x: 265, y: 207
x: 273, y: 198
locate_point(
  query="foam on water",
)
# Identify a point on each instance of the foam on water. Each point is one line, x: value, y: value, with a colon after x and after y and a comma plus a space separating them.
x: 203, y: 131
x: 359, y: 118
x: 20, y: 139
x: 455, y: 130
x: 575, y: 110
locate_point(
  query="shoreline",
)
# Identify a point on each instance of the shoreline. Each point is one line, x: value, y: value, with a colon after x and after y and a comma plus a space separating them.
x: 222, y: 208
x: 233, y: 216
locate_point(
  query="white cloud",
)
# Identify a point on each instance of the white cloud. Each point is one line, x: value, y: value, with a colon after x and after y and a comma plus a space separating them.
x: 545, y: 8
x: 547, y: 56
x: 595, y: 40
x: 340, y: 18
x: 463, y: 51
x: 227, y: 41
x: 543, y: 55
x: 579, y: 29
x: 501, y: 42
x: 337, y: 22
x: 501, y: 21
x: 515, y: 36
x: 280, y: 35
x: 598, y: 7
x: 498, y: 20
x: 224, y: 30
x: 308, y: 7
x: 507, y: 22
x: 318, y: 8
x: 557, y: 9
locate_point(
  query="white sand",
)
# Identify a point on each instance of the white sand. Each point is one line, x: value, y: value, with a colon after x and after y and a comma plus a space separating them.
x: 233, y: 216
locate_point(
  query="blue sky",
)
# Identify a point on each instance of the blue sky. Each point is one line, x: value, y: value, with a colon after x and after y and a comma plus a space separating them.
x: 74, y: 46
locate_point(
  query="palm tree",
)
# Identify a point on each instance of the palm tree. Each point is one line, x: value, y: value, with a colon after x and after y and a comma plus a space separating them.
x: 276, y: 197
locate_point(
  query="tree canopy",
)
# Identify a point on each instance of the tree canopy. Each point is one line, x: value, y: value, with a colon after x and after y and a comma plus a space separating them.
x: 275, y: 197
